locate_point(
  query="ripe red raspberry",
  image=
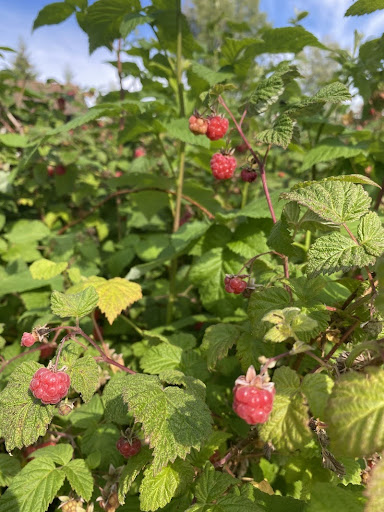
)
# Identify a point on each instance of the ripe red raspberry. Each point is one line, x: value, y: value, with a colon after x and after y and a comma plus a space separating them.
x: 28, y: 339
x: 253, y: 397
x: 217, y: 127
x: 234, y: 285
x: 223, y: 166
x: 198, y: 125
x: 127, y: 448
x: 46, y: 351
x: 50, y: 386
x: 50, y: 170
x: 248, y: 175
x: 140, y: 151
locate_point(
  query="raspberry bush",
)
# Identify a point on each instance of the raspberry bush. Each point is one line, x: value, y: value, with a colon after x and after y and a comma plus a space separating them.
x: 176, y: 334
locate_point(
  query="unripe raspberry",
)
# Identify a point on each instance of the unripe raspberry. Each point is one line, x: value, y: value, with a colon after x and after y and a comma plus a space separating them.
x: 50, y: 386
x: 248, y: 175
x: 65, y: 408
x: 217, y: 127
x: 28, y: 339
x: 127, y: 448
x: 198, y: 125
x: 242, y: 148
x: 140, y: 151
x: 72, y: 506
x: 223, y: 166
x: 234, y: 285
x: 253, y: 397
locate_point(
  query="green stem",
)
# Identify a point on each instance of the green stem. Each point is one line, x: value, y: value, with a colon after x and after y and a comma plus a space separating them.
x: 180, y: 177
x: 133, y: 325
x: 245, y: 194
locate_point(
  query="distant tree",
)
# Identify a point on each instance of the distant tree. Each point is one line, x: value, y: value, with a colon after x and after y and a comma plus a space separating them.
x: 209, y: 20
x: 21, y: 65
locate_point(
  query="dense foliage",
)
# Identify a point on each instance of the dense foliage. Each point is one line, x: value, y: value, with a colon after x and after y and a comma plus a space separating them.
x: 146, y: 306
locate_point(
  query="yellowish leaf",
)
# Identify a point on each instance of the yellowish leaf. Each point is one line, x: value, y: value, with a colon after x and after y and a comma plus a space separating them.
x: 115, y: 295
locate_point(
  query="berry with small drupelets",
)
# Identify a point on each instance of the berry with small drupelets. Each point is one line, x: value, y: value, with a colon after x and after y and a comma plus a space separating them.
x: 223, y: 166
x: 253, y: 397
x: 50, y: 386
x: 248, y: 175
x: 128, y: 448
x: 234, y: 285
x: 28, y: 339
x: 217, y: 127
x: 198, y: 125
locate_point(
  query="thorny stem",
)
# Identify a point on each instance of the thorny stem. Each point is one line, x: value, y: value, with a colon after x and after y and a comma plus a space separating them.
x: 309, y: 353
x: 261, y: 164
x: 105, y: 358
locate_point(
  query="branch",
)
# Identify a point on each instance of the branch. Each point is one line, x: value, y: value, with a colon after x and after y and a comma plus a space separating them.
x: 132, y: 191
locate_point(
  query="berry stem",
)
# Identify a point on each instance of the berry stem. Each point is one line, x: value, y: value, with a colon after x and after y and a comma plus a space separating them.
x: 67, y: 337
x: 104, y: 357
x: 261, y: 164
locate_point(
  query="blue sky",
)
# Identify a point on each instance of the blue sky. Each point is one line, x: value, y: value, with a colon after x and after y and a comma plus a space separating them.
x: 53, y: 48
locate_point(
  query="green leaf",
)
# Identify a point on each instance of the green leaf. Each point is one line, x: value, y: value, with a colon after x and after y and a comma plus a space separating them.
x: 208, y: 75
x: 317, y: 388
x: 263, y: 301
x: 352, y: 178
x: 45, y: 269
x: 132, y: 21
x: 84, y: 375
x: 80, y: 478
x: 212, y: 484
x: 9, y: 467
x: 355, y: 412
x: 374, y: 491
x: 334, y: 252
x: 336, y: 201
x: 331, y: 498
x: 281, y: 133
x: 102, y: 439
x: 115, y: 408
x: 370, y: 234
x: 174, y: 419
x: 27, y: 231
x: 217, y: 341
x: 364, y: 7
x: 13, y: 140
x: 23, y: 418
x: 329, y: 150
x: 158, y: 490
x: 266, y: 93
x: 131, y: 470
x: 287, y: 427
x: 76, y: 305
x: 34, y: 488
x: 161, y: 357
x: 53, y: 13
x: 287, y: 39
x: 335, y: 92
x: 59, y: 454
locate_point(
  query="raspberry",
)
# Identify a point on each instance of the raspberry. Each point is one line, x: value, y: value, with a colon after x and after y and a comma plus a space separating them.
x: 234, y: 285
x: 72, y: 506
x: 50, y: 170
x: 28, y: 339
x: 242, y: 148
x: 248, y: 175
x: 46, y: 351
x: 223, y: 166
x: 50, y: 386
x: 60, y: 170
x: 217, y: 127
x: 140, y: 151
x: 198, y: 125
x: 253, y: 397
x: 128, y: 449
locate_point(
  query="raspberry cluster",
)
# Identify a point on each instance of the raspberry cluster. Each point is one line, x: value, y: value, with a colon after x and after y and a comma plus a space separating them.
x: 253, y: 397
x: 223, y: 166
x: 234, y: 285
x: 128, y: 448
x: 214, y: 127
x: 50, y: 386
